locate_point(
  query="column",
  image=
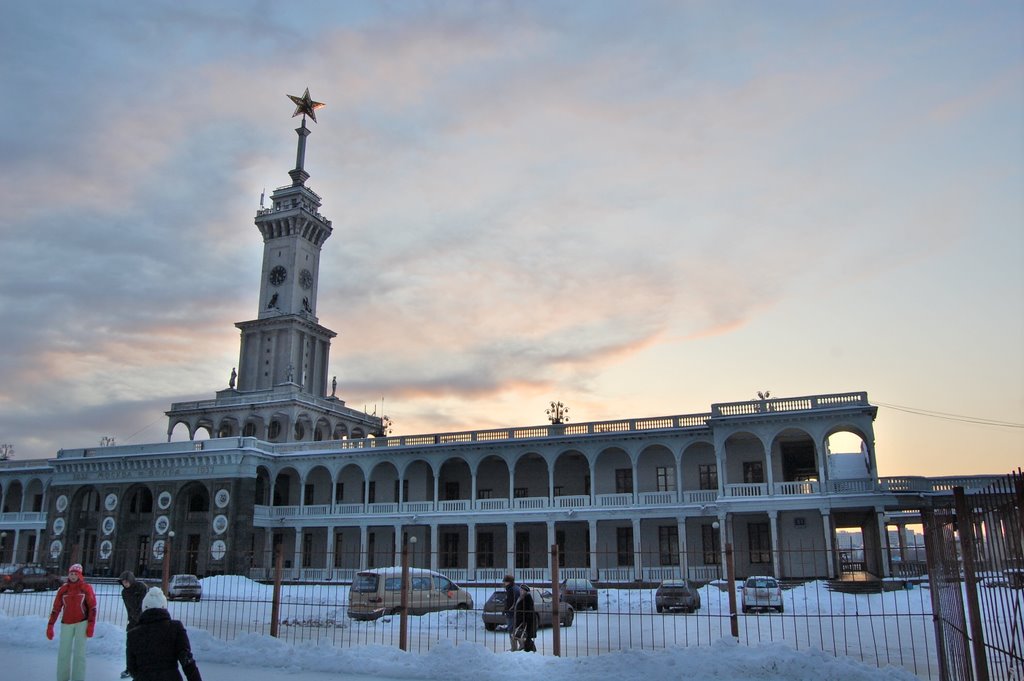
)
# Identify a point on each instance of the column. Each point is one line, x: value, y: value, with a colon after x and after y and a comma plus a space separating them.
x: 297, y: 562
x: 769, y: 476
x: 773, y: 518
x: 398, y: 538
x: 883, y: 536
x: 821, y: 468
x: 551, y: 540
x: 902, y: 537
x: 472, y: 489
x: 826, y: 521
x: 471, y: 546
x: 684, y: 562
x: 433, y: 546
x: 637, y: 556
x: 510, y: 547
x: 363, y: 547
x: 592, y: 530
x: 39, y: 540
x: 268, y: 561
x: 331, y: 540
x: 723, y: 537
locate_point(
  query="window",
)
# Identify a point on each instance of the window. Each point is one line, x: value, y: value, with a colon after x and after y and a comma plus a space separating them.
x: 337, y: 551
x: 668, y: 545
x: 307, y: 497
x: 753, y: 472
x: 559, y: 491
x: 307, y: 550
x: 623, y: 480
x: 339, y: 492
x: 708, y: 475
x: 373, y: 492
x: 450, y: 550
x: 371, y: 548
x: 759, y: 538
x: 560, y: 541
x: 624, y: 546
x: 484, y: 493
x: 522, y: 550
x: 451, y: 491
x: 519, y: 492
x: 485, y: 550
x: 710, y: 545
x: 665, y: 478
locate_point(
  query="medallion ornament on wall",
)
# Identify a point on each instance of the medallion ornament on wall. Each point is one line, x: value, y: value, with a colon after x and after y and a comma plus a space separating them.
x: 158, y: 549
x: 106, y: 548
x: 218, y: 549
x: 56, y: 546
x: 220, y: 524
x: 222, y: 498
x: 58, y: 526
x: 108, y: 525
x: 164, y: 500
x: 62, y: 503
x: 110, y: 503
x: 162, y: 524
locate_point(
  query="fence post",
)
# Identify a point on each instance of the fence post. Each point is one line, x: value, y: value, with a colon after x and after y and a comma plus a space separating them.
x: 556, y: 608
x: 730, y: 572
x: 932, y: 537
x: 275, y: 605
x: 965, y: 527
x: 167, y: 562
x: 403, y: 617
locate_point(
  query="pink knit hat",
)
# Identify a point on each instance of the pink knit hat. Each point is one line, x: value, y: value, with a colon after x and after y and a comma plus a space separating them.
x: 77, y: 567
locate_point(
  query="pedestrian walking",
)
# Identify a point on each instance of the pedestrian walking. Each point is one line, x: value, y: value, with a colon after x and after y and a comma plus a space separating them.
x: 75, y: 604
x: 132, y: 593
x: 512, y: 593
x: 158, y: 645
x: 526, y: 620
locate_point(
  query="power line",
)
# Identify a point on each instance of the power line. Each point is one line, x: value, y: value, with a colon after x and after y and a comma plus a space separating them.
x: 945, y: 416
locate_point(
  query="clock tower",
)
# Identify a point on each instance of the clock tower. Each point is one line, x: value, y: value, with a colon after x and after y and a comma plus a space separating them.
x: 283, y: 360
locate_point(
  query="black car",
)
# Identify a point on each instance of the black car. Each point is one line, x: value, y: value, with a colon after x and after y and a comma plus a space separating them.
x: 17, y: 578
x: 676, y: 595
x: 579, y: 593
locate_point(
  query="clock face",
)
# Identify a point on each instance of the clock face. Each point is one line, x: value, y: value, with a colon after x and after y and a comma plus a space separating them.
x: 306, y: 279
x: 278, y: 275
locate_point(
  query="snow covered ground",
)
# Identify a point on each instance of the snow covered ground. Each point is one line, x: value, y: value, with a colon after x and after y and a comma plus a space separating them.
x: 821, y: 635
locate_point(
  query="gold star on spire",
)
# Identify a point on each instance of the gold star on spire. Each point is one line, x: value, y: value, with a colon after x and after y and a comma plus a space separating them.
x: 305, y: 105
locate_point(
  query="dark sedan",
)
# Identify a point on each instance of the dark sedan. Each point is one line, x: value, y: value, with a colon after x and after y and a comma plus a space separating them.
x: 17, y: 578
x: 677, y: 595
x: 579, y: 593
x: 494, y: 610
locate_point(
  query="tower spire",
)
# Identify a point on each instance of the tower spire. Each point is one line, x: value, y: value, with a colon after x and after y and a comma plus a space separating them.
x: 306, y: 106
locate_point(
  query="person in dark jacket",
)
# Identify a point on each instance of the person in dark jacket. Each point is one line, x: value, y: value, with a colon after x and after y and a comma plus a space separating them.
x: 159, y: 644
x: 512, y: 593
x: 526, y: 620
x: 132, y: 593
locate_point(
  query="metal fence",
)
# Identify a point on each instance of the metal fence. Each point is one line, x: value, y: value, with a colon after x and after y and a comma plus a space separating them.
x: 976, y: 564
x: 888, y: 622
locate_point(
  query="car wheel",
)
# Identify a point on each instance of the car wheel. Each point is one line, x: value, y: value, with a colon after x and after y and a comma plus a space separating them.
x: 660, y: 609
x: 568, y: 620
x: 780, y: 608
x: 745, y: 610
x: 490, y: 627
x: 462, y: 606
x: 18, y: 588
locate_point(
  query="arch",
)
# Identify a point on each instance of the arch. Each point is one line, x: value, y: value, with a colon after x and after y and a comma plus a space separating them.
x: 191, y: 525
x: 318, y: 488
x: 795, y: 457
x: 348, y: 486
x: 745, y: 459
x: 14, y: 497
x: 340, y: 432
x: 228, y: 427
x: 302, y: 428
x: 262, y: 491
x: 286, y: 487
x: 613, y: 469
x: 572, y: 474
x: 81, y: 538
x: 357, y: 433
x: 530, y: 476
x: 656, y: 469
x: 454, y: 480
x: 699, y: 467
x: 383, y: 483
x: 418, y: 481
x: 851, y: 456
x: 134, y: 520
x: 492, y: 478
x: 322, y: 430
x: 254, y: 426
x: 179, y: 431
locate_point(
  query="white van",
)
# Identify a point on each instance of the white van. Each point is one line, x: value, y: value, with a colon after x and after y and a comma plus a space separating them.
x: 375, y: 593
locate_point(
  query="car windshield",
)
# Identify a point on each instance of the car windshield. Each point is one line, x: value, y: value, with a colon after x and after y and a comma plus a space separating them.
x: 365, y: 583
x: 761, y: 583
x: 8, y: 569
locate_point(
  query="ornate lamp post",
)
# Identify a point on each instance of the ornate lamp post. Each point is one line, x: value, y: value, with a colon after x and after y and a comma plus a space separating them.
x: 3, y: 541
x: 557, y: 413
x: 167, y: 561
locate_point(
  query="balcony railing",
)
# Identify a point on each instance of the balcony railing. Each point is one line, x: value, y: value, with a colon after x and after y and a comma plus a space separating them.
x: 748, y: 489
x: 802, y: 487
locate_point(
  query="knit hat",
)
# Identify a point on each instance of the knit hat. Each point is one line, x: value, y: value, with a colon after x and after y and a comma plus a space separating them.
x: 154, y: 599
x: 126, y: 576
x: 77, y: 567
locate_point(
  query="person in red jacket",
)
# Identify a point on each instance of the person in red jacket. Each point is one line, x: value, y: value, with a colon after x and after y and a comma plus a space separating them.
x: 77, y: 601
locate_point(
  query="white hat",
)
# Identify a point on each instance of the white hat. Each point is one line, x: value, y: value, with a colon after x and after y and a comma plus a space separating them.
x: 154, y: 599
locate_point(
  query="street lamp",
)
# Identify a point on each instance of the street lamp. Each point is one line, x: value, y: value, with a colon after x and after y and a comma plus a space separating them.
x: 557, y: 413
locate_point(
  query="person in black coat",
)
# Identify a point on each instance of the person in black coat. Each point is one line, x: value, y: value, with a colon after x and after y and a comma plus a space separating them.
x: 526, y: 620
x: 159, y: 644
x: 132, y: 593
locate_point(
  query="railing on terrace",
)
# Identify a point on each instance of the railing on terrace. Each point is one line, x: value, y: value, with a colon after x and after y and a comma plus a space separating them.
x: 785, y: 404
x: 747, y: 489
x: 802, y: 487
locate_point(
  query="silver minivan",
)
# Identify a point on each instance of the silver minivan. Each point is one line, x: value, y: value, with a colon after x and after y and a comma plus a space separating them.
x: 378, y: 592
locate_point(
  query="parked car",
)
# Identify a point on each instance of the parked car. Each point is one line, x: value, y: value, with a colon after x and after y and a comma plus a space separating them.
x: 184, y: 588
x: 762, y: 593
x: 17, y: 578
x: 579, y: 593
x: 677, y: 595
x: 378, y: 592
x: 494, y: 610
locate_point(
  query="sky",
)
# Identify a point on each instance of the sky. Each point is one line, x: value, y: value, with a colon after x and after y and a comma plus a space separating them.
x: 453, y: 646
x: 637, y: 209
